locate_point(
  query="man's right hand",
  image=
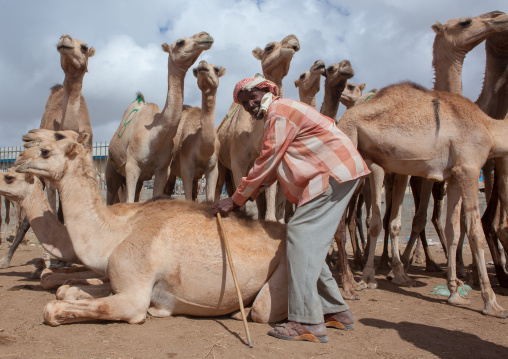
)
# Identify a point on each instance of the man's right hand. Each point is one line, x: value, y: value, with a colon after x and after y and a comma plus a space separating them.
x: 224, y: 206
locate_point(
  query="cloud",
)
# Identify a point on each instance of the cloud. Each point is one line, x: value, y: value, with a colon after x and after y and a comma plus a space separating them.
x: 386, y: 41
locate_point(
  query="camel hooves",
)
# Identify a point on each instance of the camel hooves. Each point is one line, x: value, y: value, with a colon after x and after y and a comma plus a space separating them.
x: 5, y: 263
x: 456, y: 299
x: 432, y: 266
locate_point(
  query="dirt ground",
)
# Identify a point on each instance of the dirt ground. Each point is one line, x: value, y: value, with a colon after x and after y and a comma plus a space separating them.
x: 391, y: 322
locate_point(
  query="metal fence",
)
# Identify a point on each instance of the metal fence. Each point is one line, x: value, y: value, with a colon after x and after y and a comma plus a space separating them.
x: 100, y: 155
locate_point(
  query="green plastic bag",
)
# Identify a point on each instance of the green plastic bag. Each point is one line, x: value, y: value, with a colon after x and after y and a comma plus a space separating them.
x: 443, y: 290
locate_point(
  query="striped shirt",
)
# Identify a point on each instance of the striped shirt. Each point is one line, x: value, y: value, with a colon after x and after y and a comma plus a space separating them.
x: 301, y: 149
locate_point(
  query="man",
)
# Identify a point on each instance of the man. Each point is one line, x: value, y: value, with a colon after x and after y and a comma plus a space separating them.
x: 318, y: 168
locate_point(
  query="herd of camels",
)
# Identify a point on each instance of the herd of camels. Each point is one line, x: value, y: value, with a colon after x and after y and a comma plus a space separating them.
x: 164, y: 257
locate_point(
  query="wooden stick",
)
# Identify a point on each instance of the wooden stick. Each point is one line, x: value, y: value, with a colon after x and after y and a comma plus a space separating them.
x: 230, y: 260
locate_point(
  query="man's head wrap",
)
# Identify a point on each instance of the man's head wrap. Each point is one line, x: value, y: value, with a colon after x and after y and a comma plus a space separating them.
x: 257, y: 81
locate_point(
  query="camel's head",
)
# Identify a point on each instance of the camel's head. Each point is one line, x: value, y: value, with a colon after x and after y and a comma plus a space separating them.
x: 309, y: 81
x: 16, y: 186
x: 74, y: 55
x: 49, y: 159
x: 463, y: 34
x: 208, y: 75
x: 276, y: 57
x: 338, y: 72
x: 352, y: 92
x: 498, y: 43
x: 40, y: 135
x: 186, y: 50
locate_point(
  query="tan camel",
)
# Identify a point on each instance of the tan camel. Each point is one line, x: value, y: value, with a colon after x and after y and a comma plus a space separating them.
x: 352, y: 93
x: 143, y: 143
x: 452, y: 42
x: 336, y: 78
x: 437, y: 124
x: 6, y: 219
x: 240, y: 134
x: 194, y: 144
x: 171, y: 274
x: 28, y: 192
x: 309, y: 83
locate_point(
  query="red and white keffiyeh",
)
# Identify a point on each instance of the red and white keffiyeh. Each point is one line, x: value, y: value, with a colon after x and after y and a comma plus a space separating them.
x: 251, y: 82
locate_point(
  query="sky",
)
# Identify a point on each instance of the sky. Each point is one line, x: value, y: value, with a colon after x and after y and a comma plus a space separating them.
x: 386, y: 41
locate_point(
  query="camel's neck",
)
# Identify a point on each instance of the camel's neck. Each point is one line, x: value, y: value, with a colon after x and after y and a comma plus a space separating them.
x: 71, y: 103
x: 95, y: 229
x: 276, y: 80
x: 52, y: 234
x: 208, y: 103
x: 172, y: 111
x: 308, y: 99
x: 331, y: 99
x: 448, y: 70
x: 493, y: 99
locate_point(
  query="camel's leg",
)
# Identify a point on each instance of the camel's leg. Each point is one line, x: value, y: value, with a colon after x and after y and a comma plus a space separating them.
x: 211, y: 177
x: 376, y: 181
x: 467, y: 181
x: 83, y: 291
x: 271, y: 303
x: 132, y: 173
x: 113, y: 182
x: 359, y: 221
x: 385, y: 258
x: 351, y: 216
x: 188, y: 184
x: 367, y: 196
x: 488, y: 175
x: 430, y: 264
x: 170, y: 185
x: 24, y: 227
x: 399, y: 188
x: 460, y: 267
x: 438, y: 193
x: 52, y: 280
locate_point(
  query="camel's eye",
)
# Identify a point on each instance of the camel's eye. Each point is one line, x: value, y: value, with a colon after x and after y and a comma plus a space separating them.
x: 465, y: 23
x: 59, y: 136
x: 45, y: 153
x: 302, y: 76
x: 329, y: 69
x: 84, y: 48
x: 9, y: 178
x: 216, y: 69
x: 180, y: 43
x: 351, y: 87
x: 269, y: 48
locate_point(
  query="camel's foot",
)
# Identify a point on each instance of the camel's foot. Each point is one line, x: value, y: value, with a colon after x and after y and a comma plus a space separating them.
x: 368, y: 278
x: 494, y: 310
x: 432, y: 266
x: 67, y: 292
x: 238, y: 314
x: 418, y: 257
x: 399, y: 276
x: 87, y: 281
x: 456, y: 299
x: 348, y: 290
x: 5, y: 262
x: 159, y: 312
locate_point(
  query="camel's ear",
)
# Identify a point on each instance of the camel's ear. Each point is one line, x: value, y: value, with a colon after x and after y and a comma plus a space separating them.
x: 437, y: 27
x: 165, y: 48
x: 71, y: 148
x: 296, y: 83
x: 222, y: 71
x: 91, y: 52
x: 257, y: 52
x: 83, y: 138
x: 195, y: 71
x: 29, y: 177
x: 362, y: 87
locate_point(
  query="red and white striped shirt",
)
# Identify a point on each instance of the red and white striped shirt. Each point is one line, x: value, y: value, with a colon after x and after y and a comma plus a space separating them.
x: 301, y: 149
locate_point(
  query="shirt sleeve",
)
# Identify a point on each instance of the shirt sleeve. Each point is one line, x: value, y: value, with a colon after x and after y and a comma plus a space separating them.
x: 279, y: 133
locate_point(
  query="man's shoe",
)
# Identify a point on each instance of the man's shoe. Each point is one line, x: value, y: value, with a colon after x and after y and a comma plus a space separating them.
x: 341, y: 320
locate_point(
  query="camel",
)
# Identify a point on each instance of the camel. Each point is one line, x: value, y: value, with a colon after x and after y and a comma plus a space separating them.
x: 452, y: 42
x: 27, y: 190
x: 438, y: 124
x: 145, y: 250
x: 142, y: 146
x: 352, y: 92
x: 309, y: 82
x: 194, y: 144
x: 6, y: 219
x: 336, y: 78
x: 240, y: 135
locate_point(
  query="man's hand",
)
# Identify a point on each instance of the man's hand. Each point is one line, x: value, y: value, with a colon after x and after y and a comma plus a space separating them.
x: 224, y: 206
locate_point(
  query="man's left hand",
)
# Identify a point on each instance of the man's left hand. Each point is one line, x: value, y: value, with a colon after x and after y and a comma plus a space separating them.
x: 224, y: 206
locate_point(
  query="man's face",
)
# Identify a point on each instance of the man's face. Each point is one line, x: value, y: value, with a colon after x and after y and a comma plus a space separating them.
x: 251, y: 101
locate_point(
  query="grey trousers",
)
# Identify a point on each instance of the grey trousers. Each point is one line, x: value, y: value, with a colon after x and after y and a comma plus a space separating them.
x: 312, y: 291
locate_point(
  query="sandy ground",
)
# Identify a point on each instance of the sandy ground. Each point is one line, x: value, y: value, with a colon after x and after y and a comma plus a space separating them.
x: 391, y: 322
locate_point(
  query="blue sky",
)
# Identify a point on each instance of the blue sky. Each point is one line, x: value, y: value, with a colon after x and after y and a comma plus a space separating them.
x: 387, y: 41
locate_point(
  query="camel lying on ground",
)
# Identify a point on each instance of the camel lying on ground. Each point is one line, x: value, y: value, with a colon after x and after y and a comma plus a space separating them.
x: 164, y: 257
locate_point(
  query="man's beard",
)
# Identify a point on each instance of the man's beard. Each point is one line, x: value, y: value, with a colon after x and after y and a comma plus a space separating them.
x: 258, y: 115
